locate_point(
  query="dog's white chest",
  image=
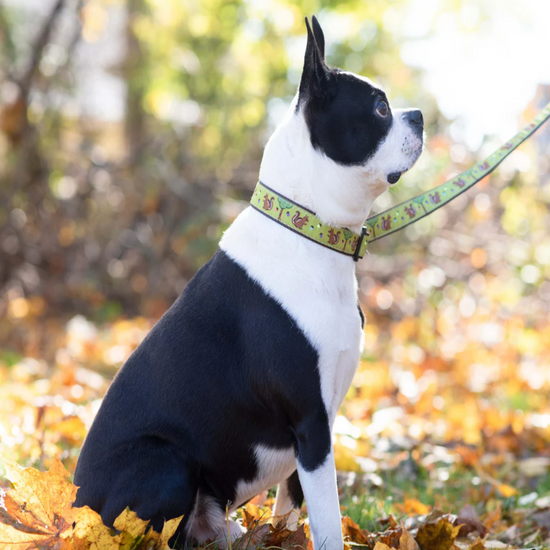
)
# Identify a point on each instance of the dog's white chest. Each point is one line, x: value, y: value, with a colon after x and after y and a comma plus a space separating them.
x: 316, y: 286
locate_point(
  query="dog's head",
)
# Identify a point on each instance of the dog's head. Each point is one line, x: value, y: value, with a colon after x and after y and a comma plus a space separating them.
x: 350, y: 119
x: 351, y: 145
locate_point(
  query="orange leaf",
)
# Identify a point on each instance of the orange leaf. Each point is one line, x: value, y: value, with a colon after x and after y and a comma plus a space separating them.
x: 414, y: 506
x: 351, y: 530
x: 407, y: 542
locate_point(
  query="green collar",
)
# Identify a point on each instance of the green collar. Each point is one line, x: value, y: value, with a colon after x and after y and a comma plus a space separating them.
x: 299, y: 219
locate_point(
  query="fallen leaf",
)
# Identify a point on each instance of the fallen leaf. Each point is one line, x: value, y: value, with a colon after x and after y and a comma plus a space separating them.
x: 407, y: 542
x: 353, y: 532
x: 90, y: 531
x: 506, y: 491
x: 478, y: 544
x: 38, y: 513
x: 468, y: 526
x: 437, y: 535
x: 39, y: 509
x: 414, y: 506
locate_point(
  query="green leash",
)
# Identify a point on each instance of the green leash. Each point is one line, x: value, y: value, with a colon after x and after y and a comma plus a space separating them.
x: 303, y: 221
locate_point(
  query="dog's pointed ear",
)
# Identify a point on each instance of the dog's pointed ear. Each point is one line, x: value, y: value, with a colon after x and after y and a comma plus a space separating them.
x: 317, y: 78
x: 319, y: 36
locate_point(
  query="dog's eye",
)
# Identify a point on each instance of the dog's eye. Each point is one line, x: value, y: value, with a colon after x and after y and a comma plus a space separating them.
x: 382, y: 109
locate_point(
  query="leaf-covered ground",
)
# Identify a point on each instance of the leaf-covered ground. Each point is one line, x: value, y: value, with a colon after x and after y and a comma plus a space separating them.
x: 424, y: 443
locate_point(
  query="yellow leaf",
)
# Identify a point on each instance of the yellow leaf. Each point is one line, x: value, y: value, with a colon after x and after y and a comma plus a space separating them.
x: 506, y: 490
x: 168, y: 531
x: 47, y: 496
x: 128, y: 522
x: 90, y: 528
x: 381, y: 546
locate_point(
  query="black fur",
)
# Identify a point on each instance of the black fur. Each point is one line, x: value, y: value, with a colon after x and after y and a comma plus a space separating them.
x: 295, y: 490
x: 225, y: 369
x: 361, y: 315
x: 339, y: 108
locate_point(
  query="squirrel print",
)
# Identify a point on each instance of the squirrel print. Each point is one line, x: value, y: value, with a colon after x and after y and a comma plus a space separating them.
x: 333, y: 238
x: 268, y: 202
x: 298, y: 221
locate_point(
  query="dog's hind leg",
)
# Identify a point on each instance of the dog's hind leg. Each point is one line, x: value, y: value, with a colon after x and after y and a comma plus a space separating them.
x: 161, y: 485
x: 290, y: 498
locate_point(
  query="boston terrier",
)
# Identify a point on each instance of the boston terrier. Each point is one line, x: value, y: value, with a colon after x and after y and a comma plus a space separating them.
x: 236, y: 388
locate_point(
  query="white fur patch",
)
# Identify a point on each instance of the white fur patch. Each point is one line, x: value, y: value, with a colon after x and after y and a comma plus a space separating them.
x: 274, y: 465
x: 206, y: 519
x: 398, y: 152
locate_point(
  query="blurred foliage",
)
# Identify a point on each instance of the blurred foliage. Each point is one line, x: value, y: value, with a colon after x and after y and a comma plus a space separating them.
x: 104, y: 218
x: 99, y: 209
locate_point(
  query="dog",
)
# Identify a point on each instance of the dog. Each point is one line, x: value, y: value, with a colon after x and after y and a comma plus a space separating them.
x: 236, y: 388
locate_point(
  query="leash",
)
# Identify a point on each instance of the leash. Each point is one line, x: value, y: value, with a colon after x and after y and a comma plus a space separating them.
x: 303, y: 221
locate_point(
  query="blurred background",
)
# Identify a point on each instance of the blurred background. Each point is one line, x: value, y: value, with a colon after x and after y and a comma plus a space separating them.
x: 131, y: 133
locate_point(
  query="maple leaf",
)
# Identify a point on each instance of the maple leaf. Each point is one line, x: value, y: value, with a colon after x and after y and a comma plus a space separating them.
x: 40, y: 509
x: 438, y: 534
x: 407, y: 542
x: 39, y: 513
x: 131, y: 532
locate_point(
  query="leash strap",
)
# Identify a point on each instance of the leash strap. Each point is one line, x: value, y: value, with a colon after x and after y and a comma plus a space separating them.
x: 303, y: 221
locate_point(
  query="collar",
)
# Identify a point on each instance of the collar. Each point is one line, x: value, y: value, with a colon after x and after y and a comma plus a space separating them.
x: 303, y: 221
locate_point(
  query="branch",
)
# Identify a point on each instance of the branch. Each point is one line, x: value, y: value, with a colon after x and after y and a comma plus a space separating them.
x: 41, y: 42
x: 7, y: 44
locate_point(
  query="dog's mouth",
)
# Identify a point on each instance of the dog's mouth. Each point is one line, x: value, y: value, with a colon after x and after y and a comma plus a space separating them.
x: 394, y: 177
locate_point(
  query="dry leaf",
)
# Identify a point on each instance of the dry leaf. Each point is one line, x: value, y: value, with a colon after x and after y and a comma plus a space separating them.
x: 353, y: 532
x: 478, y: 544
x: 407, y: 542
x: 39, y: 510
x: 437, y: 535
x: 38, y: 513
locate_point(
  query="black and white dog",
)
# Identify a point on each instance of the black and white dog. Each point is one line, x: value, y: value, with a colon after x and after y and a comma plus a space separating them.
x: 236, y: 388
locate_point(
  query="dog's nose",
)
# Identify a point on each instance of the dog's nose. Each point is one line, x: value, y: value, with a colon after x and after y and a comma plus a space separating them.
x: 414, y: 117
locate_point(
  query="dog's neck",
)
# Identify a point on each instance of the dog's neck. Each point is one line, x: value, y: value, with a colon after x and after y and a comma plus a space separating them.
x: 341, y: 196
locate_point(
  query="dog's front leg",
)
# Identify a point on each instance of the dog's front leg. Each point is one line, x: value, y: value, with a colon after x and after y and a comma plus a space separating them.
x: 317, y: 472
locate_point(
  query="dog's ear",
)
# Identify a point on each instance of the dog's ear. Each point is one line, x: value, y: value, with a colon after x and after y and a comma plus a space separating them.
x: 317, y: 79
x: 319, y: 36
